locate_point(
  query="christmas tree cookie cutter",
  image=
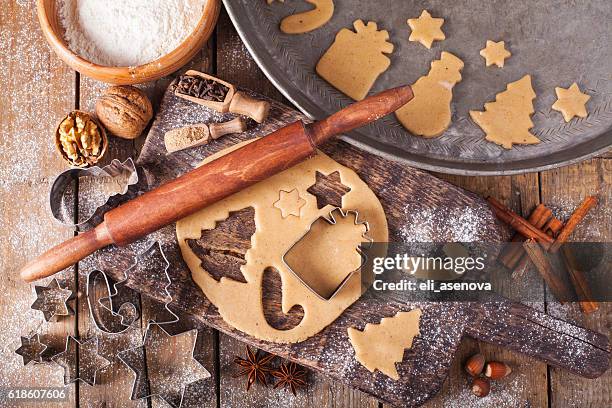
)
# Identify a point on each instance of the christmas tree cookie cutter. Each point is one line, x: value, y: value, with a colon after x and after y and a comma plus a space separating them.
x: 106, y: 182
x: 333, y: 219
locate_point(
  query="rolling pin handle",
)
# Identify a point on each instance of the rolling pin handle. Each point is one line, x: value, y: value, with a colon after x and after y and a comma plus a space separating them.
x: 66, y: 254
x: 247, y: 106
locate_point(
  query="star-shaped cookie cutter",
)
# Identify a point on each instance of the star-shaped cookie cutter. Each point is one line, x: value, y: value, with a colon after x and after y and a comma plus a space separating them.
x: 31, y: 349
x: 61, y: 196
x: 138, y: 359
x: 332, y: 220
x: 84, y: 367
x: 52, y: 300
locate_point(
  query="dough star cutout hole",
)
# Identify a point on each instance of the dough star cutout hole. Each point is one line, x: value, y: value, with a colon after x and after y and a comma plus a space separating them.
x: 495, y: 53
x: 426, y: 29
x: 571, y: 102
x: 328, y: 189
x: 289, y: 203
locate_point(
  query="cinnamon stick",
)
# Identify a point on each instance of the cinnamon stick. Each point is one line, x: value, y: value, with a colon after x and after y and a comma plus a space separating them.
x: 551, y: 228
x: 521, y: 225
x: 579, y: 282
x: 540, y: 259
x: 514, y: 253
x: 573, y: 221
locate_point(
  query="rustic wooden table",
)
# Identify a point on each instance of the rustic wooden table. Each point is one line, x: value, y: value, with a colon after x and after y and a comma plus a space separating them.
x: 37, y: 89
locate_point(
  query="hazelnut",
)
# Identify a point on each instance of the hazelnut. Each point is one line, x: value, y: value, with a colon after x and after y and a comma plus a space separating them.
x: 475, y: 364
x: 124, y: 110
x: 481, y: 387
x: 496, y: 370
x: 80, y: 139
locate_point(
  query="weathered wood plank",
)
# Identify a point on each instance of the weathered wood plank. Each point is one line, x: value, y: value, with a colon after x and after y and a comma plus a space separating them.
x: 528, y: 383
x: 36, y: 89
x: 562, y: 190
x: 235, y: 65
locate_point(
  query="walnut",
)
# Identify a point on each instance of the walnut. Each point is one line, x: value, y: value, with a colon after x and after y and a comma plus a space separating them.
x: 124, y: 110
x: 80, y: 140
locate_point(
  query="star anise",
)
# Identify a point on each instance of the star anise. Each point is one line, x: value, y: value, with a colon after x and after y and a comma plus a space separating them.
x: 290, y: 376
x: 255, y: 367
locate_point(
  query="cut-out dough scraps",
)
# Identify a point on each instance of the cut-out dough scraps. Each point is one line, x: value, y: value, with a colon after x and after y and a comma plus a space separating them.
x: 495, y: 53
x: 239, y: 303
x: 356, y: 59
x: 380, y: 346
x: 290, y: 203
x: 426, y: 29
x: 507, y: 121
x: 571, y: 102
x: 310, y: 20
x: 428, y: 114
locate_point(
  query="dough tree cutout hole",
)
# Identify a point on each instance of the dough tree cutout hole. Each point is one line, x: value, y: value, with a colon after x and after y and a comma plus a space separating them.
x: 222, y: 249
x: 326, y: 256
x: 271, y: 299
x: 328, y: 189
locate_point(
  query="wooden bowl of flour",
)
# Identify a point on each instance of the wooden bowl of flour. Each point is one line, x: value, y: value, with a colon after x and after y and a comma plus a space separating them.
x: 50, y: 22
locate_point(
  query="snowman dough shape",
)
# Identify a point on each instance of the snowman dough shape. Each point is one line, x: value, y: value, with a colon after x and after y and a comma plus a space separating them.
x: 428, y: 114
x: 240, y: 303
x: 356, y: 59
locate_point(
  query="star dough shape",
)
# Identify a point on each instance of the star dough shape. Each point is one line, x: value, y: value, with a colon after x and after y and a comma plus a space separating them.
x: 290, y: 203
x: 51, y: 300
x: 162, y: 368
x: 31, y: 349
x: 495, y: 53
x: 87, y: 364
x: 571, y: 102
x: 426, y: 29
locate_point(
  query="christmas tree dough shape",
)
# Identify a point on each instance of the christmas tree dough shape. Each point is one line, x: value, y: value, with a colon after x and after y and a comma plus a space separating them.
x: 429, y: 113
x: 380, y: 346
x: 310, y: 20
x: 507, y: 121
x: 356, y: 59
x: 240, y: 303
x: 571, y: 102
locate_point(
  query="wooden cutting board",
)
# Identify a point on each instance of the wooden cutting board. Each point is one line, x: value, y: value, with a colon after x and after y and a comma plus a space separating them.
x: 403, y: 191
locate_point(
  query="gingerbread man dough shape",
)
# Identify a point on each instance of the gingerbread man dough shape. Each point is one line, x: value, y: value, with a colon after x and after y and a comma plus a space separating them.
x: 310, y: 20
x: 356, y: 59
x: 429, y: 113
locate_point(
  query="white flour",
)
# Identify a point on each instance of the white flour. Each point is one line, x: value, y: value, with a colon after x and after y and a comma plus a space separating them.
x: 127, y: 32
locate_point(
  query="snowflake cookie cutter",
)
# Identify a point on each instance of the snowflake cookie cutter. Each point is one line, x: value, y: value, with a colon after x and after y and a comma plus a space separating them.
x: 333, y: 220
x: 117, y: 177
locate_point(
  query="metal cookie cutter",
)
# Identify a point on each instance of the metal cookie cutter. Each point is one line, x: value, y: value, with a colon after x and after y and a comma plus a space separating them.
x: 332, y: 220
x: 97, y: 185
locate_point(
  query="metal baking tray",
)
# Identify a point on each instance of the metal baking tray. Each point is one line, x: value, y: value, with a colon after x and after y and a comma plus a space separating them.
x: 557, y: 42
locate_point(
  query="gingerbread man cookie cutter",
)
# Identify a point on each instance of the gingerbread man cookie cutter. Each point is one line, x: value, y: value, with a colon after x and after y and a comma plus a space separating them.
x: 333, y: 220
x: 111, y: 180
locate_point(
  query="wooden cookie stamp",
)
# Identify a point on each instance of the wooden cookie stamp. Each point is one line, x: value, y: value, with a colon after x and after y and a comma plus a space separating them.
x: 219, y: 95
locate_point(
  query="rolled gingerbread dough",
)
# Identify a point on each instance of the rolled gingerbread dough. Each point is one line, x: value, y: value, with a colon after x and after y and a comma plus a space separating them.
x: 310, y: 20
x: 240, y: 303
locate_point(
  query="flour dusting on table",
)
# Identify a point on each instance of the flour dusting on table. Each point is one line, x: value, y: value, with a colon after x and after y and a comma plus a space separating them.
x: 128, y: 32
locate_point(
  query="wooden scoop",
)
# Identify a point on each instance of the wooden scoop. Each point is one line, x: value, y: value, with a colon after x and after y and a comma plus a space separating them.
x: 234, y: 102
x: 214, y: 181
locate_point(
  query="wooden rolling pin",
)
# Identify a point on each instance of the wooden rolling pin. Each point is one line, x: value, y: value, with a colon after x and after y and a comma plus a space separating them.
x: 213, y: 182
